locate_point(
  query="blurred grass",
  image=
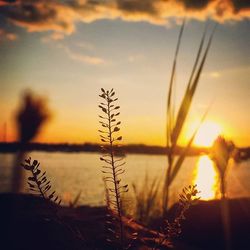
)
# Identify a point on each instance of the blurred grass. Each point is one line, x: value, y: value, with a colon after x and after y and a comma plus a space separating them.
x: 176, y: 121
x: 146, y: 200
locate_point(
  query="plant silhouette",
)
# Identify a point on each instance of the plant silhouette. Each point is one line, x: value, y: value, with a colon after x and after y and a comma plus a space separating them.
x: 113, y: 165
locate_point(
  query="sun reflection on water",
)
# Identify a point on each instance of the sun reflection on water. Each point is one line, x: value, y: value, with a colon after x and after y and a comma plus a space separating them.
x: 206, y: 178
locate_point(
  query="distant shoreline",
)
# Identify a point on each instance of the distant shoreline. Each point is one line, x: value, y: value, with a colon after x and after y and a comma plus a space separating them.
x: 13, y: 147
x: 92, y: 147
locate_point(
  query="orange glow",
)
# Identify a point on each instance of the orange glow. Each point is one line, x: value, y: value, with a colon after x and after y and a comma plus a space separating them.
x: 206, y: 178
x: 207, y: 133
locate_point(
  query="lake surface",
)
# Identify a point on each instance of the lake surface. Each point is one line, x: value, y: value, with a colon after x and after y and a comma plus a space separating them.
x: 71, y: 173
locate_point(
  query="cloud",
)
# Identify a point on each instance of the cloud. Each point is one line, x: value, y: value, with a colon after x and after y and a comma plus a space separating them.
x: 7, y: 36
x: 82, y: 57
x: 40, y: 15
x: 85, y: 45
x: 55, y: 36
x: 215, y: 74
x: 135, y: 58
x: 62, y: 16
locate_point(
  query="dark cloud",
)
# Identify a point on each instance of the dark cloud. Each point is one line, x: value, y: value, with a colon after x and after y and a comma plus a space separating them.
x: 31, y: 13
x: 135, y: 6
x: 241, y: 5
x: 61, y: 16
x: 38, y: 15
x: 195, y: 4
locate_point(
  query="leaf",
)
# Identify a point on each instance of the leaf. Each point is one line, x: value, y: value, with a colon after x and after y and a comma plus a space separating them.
x: 102, y: 117
x: 35, y: 162
x: 119, y: 138
x: 51, y: 195
x: 183, y: 155
x: 187, y: 99
x: 47, y: 188
x: 31, y: 185
x: 116, y: 129
x: 37, y: 172
x: 31, y: 178
x: 28, y: 160
x: 170, y: 90
x: 27, y: 167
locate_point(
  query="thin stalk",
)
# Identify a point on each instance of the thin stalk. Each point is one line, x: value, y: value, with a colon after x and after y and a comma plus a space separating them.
x: 39, y: 185
x: 169, y: 123
x: 167, y: 181
x: 117, y: 197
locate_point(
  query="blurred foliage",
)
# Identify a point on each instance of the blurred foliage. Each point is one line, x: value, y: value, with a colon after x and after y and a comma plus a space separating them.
x: 176, y: 120
x: 31, y: 116
x: 147, y: 202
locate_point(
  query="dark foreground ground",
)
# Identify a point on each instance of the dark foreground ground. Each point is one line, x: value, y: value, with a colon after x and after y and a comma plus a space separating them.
x: 28, y: 223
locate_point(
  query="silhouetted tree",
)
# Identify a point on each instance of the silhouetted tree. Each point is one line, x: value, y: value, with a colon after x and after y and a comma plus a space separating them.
x: 29, y: 120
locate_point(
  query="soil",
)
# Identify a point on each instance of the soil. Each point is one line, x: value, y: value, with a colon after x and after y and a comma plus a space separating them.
x: 28, y: 222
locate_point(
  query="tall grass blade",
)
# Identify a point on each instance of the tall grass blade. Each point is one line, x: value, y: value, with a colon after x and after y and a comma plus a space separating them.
x: 174, y: 125
x: 188, y: 97
x: 146, y: 199
x: 170, y: 117
x: 197, y: 58
x: 170, y: 89
x: 184, y: 153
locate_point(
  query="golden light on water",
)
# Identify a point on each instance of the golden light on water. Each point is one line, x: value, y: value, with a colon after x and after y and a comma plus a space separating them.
x: 206, y: 178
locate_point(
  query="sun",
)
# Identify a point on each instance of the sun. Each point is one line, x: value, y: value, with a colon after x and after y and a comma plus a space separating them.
x: 207, y: 133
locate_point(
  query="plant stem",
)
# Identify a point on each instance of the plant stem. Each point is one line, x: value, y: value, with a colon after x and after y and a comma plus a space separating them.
x: 167, y: 181
x: 39, y: 186
x: 114, y: 175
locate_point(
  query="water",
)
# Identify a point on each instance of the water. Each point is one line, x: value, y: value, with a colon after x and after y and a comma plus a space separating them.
x: 71, y: 173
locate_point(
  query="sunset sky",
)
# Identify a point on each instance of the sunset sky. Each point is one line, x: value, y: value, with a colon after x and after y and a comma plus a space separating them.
x: 67, y: 50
